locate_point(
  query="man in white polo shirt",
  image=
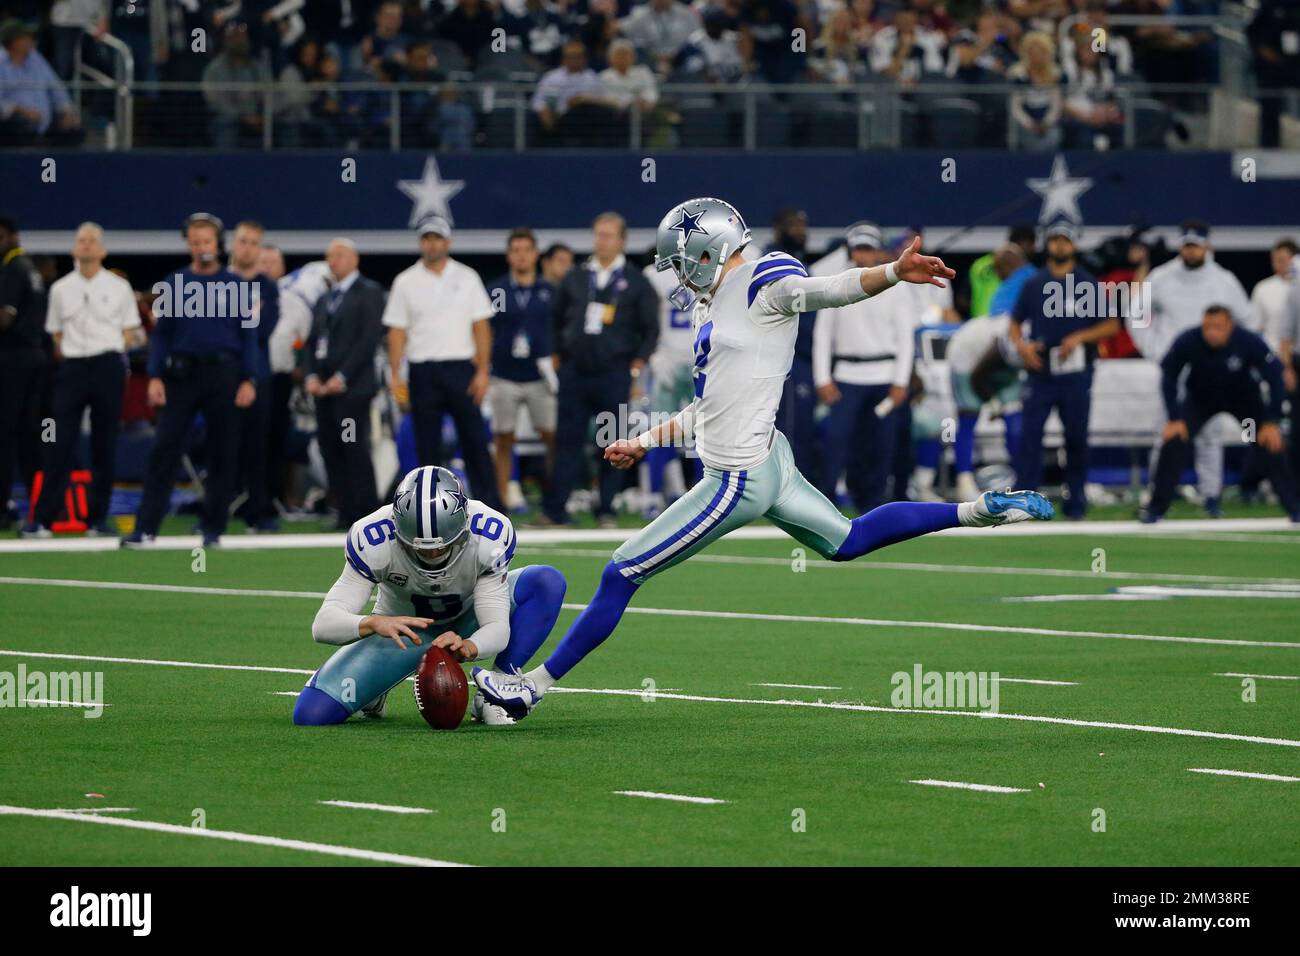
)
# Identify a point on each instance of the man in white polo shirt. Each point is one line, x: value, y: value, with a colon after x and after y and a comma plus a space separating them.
x: 93, y: 318
x: 438, y: 318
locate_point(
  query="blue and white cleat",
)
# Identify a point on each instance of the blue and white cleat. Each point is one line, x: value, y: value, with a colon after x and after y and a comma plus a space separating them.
x: 515, y: 694
x: 1007, y: 507
x: 490, y: 715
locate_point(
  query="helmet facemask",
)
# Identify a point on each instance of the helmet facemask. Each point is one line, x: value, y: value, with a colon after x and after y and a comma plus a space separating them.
x: 695, y: 277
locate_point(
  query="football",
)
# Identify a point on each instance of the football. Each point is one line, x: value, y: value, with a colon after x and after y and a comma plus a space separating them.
x: 441, y: 690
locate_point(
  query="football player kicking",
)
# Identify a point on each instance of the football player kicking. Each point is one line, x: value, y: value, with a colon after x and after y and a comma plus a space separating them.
x: 441, y: 563
x: 745, y: 317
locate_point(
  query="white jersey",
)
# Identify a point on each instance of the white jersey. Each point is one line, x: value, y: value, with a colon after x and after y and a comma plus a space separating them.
x: 744, y: 348
x: 299, y: 292
x: 676, y: 335
x: 970, y: 343
x: 474, y: 581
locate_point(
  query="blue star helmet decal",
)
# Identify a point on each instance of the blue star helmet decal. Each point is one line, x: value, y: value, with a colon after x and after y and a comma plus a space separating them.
x: 459, y: 497
x: 688, y: 224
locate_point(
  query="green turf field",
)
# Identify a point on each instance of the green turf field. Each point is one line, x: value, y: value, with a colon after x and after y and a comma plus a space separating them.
x: 176, y: 741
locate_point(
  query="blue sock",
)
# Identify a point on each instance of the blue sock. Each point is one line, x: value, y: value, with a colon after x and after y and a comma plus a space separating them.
x: 928, y: 452
x: 539, y: 592
x: 963, y: 449
x: 892, y: 523
x: 657, y: 460
x: 595, y: 623
x: 315, y: 708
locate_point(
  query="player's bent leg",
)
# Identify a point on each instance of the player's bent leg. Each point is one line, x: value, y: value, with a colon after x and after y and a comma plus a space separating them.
x: 354, y: 677
x: 536, y: 595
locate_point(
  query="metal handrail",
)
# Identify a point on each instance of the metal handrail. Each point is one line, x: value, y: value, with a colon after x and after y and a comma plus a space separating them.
x: 122, y: 83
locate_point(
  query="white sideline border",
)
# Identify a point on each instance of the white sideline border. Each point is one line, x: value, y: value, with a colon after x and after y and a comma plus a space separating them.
x: 687, y: 612
x: 232, y: 836
x: 289, y: 540
x: 665, y: 695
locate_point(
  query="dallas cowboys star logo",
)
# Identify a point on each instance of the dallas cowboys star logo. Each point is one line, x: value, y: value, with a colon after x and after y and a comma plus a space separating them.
x: 688, y: 224
x: 458, y: 497
x: 430, y: 194
x: 1060, y: 192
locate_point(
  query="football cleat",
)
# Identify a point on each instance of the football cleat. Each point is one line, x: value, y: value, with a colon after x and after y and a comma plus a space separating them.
x: 138, y: 539
x: 1007, y: 507
x: 35, y: 530
x: 516, y: 694
x: 490, y: 715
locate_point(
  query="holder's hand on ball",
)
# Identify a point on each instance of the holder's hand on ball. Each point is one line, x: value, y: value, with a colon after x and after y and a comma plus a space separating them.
x: 394, y: 627
x: 461, y: 648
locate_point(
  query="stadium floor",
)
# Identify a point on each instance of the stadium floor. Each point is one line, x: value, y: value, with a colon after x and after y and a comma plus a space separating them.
x: 818, y: 774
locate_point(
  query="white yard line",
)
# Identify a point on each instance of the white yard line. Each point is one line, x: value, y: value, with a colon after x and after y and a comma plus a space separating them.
x: 679, y: 798
x: 1258, y: 676
x: 664, y: 695
x: 958, y: 785
x: 381, y: 807
x: 720, y: 615
x: 95, y: 809
x: 1245, y: 773
x: 278, y: 542
x: 46, y: 702
x: 232, y: 836
x: 798, y: 686
x: 872, y: 564
x: 1031, y: 680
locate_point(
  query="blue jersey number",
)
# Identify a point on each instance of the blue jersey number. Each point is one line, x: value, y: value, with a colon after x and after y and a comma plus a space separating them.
x: 489, y: 527
x: 380, y: 531
x: 702, y: 347
x: 438, y: 608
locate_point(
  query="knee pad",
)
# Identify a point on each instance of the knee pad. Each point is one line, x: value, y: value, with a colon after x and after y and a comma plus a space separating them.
x: 315, y: 708
x: 545, y: 582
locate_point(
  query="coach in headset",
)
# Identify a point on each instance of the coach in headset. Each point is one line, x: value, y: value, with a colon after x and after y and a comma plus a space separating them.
x: 203, y: 357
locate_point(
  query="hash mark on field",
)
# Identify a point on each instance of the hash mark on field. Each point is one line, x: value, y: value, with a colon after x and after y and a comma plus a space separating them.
x: 1031, y: 680
x: 46, y: 702
x: 232, y: 836
x: 96, y: 809
x: 382, y: 807
x: 1259, y: 676
x: 284, y: 693
x: 679, y: 798
x: 958, y: 785
x: 799, y: 686
x: 1245, y: 773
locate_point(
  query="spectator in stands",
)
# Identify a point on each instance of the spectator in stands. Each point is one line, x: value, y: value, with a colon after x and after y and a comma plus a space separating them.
x: 386, y: 41
x: 866, y: 20
x: 1268, y: 300
x: 293, y: 95
x: 599, y: 28
x: 713, y: 51
x: 1217, y: 368
x: 1165, y: 53
x: 660, y: 28
x: 570, y: 86
x: 421, y: 116
x: 540, y: 31
x: 454, y: 121
x: 1036, y: 106
x: 1274, y: 36
x: 906, y: 51
x: 606, y: 318
x: 339, y: 365
x: 34, y: 105
x: 982, y: 55
x: 1180, y: 291
x: 933, y: 16
x: 237, y: 114
x: 523, y: 374
x: 626, y: 82
x: 469, y: 25
x: 334, y: 116
x: 1091, y: 114
x: 837, y: 58
x: 22, y: 363
x: 765, y: 31
x: 71, y: 20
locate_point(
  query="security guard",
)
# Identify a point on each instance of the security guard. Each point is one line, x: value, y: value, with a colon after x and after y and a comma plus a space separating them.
x: 22, y: 359
x: 1055, y: 325
x: 203, y: 358
x: 94, y: 319
x: 1220, y: 367
x: 606, y: 327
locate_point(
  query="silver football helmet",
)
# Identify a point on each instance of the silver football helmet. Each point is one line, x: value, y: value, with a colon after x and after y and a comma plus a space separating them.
x: 431, y: 512
x: 694, y: 240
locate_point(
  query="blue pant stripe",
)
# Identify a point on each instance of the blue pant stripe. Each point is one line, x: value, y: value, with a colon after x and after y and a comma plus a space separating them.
x: 700, y: 525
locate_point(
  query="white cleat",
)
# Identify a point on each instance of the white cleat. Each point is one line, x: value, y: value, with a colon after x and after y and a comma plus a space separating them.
x: 376, y: 708
x: 490, y: 715
x: 516, y: 694
x: 995, y: 508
